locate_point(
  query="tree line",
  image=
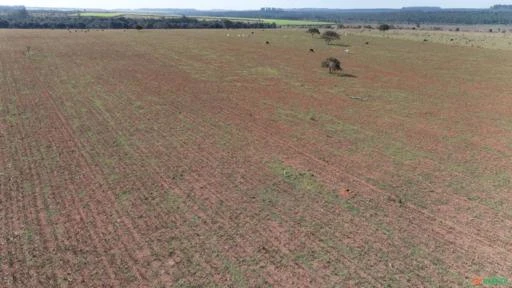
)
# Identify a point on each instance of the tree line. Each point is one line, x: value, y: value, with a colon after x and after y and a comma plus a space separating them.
x: 19, y: 18
x: 498, y: 15
x: 126, y: 23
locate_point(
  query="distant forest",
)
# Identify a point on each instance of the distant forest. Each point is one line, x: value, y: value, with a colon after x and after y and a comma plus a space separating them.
x: 499, y: 14
x: 18, y: 17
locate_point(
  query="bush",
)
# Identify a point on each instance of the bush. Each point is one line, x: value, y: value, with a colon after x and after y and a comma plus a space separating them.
x: 313, y: 31
x: 384, y: 27
x: 330, y: 36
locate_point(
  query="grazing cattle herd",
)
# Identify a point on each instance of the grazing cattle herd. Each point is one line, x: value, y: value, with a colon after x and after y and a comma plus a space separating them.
x: 332, y: 63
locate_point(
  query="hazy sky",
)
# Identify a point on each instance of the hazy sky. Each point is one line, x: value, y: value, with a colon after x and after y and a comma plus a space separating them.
x: 252, y: 4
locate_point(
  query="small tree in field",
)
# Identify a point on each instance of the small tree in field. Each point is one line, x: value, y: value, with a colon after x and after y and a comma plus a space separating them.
x: 332, y: 63
x: 330, y: 36
x: 313, y: 31
x: 384, y: 27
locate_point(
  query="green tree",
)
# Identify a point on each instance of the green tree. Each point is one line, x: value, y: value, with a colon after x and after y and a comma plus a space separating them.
x: 384, y: 27
x: 330, y: 36
x: 313, y: 31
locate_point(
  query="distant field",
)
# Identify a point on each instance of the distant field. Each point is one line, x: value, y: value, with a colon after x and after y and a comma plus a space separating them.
x: 192, y: 158
x: 495, y: 40
x: 100, y: 14
x: 279, y: 22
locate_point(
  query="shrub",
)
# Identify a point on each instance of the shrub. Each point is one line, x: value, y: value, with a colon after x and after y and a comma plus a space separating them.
x: 384, y: 27
x: 330, y: 36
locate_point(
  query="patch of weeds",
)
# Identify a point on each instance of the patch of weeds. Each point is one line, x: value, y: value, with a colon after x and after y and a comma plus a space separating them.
x: 300, y: 116
x: 309, y: 185
x: 304, y: 181
x: 49, y: 212
x: 125, y: 270
x: 194, y: 220
x: 269, y: 196
x: 304, y: 258
x: 385, y: 229
x: 495, y: 204
x: 266, y: 71
x: 461, y: 141
x: 235, y: 273
x: 401, y: 153
x: 498, y: 180
x: 27, y: 187
x: 458, y: 185
x: 98, y: 103
x: 506, y: 124
x: 229, y: 137
x: 171, y: 247
x: 12, y: 119
x: 349, y: 206
x: 392, y: 281
x: 123, y: 196
x: 138, y: 106
x: 28, y: 234
x: 173, y: 202
x: 121, y: 141
x: 344, y: 130
x: 473, y: 198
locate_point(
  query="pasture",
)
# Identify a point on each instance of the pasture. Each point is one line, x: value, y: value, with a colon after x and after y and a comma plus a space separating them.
x: 186, y: 158
x: 100, y: 14
x: 279, y: 22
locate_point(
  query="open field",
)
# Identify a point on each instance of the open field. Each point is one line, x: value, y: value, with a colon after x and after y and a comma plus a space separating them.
x: 279, y: 22
x: 100, y: 14
x: 186, y: 158
x: 495, y: 40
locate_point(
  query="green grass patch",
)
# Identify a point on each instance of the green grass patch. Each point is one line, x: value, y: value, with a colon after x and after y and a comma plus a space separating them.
x: 309, y: 186
x: 173, y: 202
x: 123, y: 196
x: 236, y: 275
x: 266, y: 71
x: 99, y: 14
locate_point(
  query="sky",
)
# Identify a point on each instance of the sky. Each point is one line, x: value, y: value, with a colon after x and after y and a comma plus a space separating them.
x: 253, y: 4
